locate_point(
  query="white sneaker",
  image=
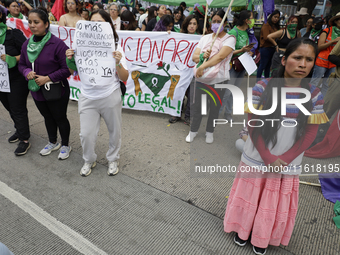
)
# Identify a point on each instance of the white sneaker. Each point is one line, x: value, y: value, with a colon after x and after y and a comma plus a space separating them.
x: 113, y: 168
x: 209, y: 137
x: 49, y: 148
x: 64, y: 152
x: 190, y: 137
x: 87, y: 169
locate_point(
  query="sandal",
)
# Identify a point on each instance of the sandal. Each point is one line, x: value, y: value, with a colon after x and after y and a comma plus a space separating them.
x: 174, y: 119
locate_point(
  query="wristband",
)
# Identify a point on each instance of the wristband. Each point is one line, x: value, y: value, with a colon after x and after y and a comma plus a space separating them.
x: 119, y: 65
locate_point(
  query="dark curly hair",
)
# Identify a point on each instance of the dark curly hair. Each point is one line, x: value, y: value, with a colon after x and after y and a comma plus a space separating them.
x: 185, y: 24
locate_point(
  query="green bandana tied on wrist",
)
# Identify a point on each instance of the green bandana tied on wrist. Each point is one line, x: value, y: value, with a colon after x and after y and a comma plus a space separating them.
x: 71, y: 63
x: 292, y: 30
x: 34, y: 48
x: 335, y: 32
x: 11, y: 61
x: 3, y: 29
x: 201, y: 60
x: 20, y: 16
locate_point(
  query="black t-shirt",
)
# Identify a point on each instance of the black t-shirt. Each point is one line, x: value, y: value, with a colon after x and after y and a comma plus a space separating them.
x: 177, y: 26
x: 151, y: 24
x: 13, y: 43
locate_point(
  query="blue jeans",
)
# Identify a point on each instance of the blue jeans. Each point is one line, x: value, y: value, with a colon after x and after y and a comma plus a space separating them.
x: 227, y: 101
x: 318, y: 73
x: 265, y: 62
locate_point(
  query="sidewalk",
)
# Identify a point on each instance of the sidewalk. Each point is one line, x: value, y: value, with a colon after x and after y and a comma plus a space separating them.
x: 153, y: 206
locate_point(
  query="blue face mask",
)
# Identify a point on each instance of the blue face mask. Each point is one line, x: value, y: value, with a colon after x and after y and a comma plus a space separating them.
x: 215, y: 26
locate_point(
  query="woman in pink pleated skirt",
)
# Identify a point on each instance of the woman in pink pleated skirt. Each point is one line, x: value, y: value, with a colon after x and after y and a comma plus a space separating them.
x: 263, y: 200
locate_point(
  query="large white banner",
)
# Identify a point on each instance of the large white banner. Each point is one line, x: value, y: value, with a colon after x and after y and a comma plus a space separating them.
x: 160, y: 66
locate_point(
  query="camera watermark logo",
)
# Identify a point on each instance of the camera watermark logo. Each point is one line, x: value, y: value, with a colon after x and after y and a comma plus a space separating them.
x: 238, y: 100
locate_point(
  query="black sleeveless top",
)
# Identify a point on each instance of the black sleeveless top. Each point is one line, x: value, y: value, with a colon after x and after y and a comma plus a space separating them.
x: 282, y: 43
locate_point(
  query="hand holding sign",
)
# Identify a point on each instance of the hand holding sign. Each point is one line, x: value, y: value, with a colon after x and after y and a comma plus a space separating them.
x: 93, y: 56
x: 69, y: 53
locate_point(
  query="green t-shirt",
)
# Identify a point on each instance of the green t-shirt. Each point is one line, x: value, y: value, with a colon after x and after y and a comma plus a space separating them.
x: 241, y: 38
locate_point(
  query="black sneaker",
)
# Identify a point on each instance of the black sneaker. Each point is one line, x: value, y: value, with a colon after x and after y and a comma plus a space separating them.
x: 14, y: 138
x: 259, y: 251
x: 22, y: 148
x: 239, y: 241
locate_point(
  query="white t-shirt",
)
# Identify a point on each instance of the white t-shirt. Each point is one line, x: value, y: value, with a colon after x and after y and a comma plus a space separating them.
x: 223, y: 73
x: 95, y: 92
x: 116, y: 23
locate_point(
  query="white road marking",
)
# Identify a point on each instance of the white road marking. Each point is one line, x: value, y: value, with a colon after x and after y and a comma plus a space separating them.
x: 67, y: 234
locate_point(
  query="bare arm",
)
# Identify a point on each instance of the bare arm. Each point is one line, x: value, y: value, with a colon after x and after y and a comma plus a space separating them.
x: 62, y: 21
x: 273, y: 36
x: 143, y: 27
x: 246, y: 48
x: 196, y: 55
x: 123, y: 74
x: 28, y: 6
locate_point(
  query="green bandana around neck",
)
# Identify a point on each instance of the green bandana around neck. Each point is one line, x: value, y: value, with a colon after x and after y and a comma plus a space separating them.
x: 3, y: 29
x: 292, y: 30
x: 314, y: 32
x: 335, y: 32
x: 20, y: 16
x: 34, y: 48
x: 158, y: 18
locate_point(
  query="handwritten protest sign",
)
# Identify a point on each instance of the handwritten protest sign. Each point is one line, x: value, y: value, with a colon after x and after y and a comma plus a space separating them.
x: 4, y: 79
x: 94, y: 44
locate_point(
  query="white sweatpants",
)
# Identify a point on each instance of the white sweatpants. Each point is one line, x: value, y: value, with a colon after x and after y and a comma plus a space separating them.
x: 90, y: 111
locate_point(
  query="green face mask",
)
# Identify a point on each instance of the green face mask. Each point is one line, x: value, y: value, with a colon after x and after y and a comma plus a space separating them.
x: 292, y: 30
x: 251, y: 25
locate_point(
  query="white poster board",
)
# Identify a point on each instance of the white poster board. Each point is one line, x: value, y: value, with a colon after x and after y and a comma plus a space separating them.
x: 94, y: 44
x: 248, y: 63
x: 4, y: 75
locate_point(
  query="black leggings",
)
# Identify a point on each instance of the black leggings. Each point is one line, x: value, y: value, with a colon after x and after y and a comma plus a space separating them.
x: 55, y: 115
x: 16, y: 104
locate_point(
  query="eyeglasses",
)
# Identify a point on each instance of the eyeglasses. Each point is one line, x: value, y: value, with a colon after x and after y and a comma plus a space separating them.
x: 125, y: 22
